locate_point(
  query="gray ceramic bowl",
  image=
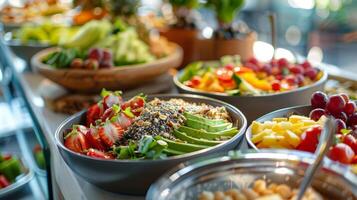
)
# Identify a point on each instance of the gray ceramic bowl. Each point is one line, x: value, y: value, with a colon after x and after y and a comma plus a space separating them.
x: 241, y: 169
x: 135, y: 176
x: 255, y: 106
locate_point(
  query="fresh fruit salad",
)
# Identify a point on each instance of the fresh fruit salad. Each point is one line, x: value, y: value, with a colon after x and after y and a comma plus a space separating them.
x: 261, y: 190
x: 141, y: 129
x: 231, y: 77
x: 10, y: 168
x: 302, y: 132
x: 101, y: 45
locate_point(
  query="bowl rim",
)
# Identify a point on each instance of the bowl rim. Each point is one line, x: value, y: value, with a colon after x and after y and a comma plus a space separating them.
x: 218, y: 94
x: 37, y: 63
x: 277, y: 154
x: 240, y: 134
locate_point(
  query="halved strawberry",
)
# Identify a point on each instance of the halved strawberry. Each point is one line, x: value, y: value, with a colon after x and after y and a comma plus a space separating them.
x: 94, y: 140
x: 76, y: 141
x: 136, y: 104
x: 123, y: 120
x: 110, y: 112
x: 98, y: 154
x: 94, y: 113
x: 112, y: 99
x: 110, y: 132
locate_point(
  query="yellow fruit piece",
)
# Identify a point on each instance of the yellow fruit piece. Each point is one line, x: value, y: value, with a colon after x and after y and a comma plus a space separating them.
x: 273, y: 141
x: 257, y: 127
x: 268, y: 124
x: 297, y: 118
x: 259, y: 137
x: 292, y: 138
x: 286, y: 125
x: 280, y: 119
x: 309, y: 122
x: 354, y: 168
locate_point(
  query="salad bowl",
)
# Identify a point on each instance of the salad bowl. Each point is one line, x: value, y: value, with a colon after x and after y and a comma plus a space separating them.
x: 135, y: 176
x: 121, y: 77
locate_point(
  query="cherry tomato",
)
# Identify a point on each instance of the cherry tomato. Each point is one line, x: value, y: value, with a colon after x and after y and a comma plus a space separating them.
x: 196, y: 80
x: 351, y: 141
x: 276, y: 86
x: 224, y: 75
x: 228, y: 84
x: 310, y: 139
x: 189, y: 84
x: 341, y: 153
x: 229, y: 67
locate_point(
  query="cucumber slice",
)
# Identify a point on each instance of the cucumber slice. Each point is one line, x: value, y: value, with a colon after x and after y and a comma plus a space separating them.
x: 192, y: 140
x: 183, y: 147
x: 210, y: 128
x: 204, y: 120
x: 196, y: 133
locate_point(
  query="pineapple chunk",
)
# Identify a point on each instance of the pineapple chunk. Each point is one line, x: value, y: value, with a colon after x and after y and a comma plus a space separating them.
x: 292, y: 138
x: 257, y: 127
x: 280, y: 119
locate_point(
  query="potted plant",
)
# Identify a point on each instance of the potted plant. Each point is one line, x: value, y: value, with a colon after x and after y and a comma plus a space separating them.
x: 230, y: 38
x: 182, y: 28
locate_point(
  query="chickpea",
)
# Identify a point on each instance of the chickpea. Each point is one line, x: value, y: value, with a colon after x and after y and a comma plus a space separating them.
x: 205, y: 195
x: 272, y: 186
x: 250, y: 194
x: 219, y: 195
x: 235, y: 194
x: 284, y: 191
x: 259, y: 186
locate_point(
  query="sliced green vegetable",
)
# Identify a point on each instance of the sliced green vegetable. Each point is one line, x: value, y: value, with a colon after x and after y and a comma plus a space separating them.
x: 173, y: 152
x: 210, y: 128
x: 204, y: 120
x: 10, y: 168
x: 40, y: 159
x: 184, y: 137
x: 183, y: 147
x: 207, y: 135
x: 190, y: 71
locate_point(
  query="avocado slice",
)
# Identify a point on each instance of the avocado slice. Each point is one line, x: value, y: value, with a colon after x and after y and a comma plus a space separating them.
x: 199, y: 133
x: 204, y: 120
x: 210, y: 128
x: 192, y: 140
x: 183, y: 147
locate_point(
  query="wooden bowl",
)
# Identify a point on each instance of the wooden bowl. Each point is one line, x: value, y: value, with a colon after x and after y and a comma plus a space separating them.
x: 117, y: 78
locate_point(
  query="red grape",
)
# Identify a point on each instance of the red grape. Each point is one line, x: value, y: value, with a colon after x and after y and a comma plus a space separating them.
x: 95, y: 53
x: 345, y: 97
x: 340, y: 125
x: 106, y: 64
x: 350, y: 108
x: 266, y: 68
x: 341, y: 116
x: 335, y: 104
x: 291, y: 80
x: 317, y: 113
x: 252, y: 66
x: 300, y: 79
x: 319, y: 100
x: 91, y: 64
x: 276, y: 85
x: 279, y: 77
x: 282, y: 62
x: 229, y: 67
x: 311, y: 73
x: 253, y: 61
x: 352, y: 120
x: 274, y: 63
x: 306, y: 65
x: 107, y: 55
x: 296, y: 69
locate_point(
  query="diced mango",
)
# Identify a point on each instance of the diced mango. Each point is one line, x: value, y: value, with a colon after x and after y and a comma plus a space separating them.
x: 268, y: 124
x: 259, y: 137
x: 286, y: 125
x: 257, y: 127
x: 296, y: 118
x: 280, y: 119
x: 292, y: 138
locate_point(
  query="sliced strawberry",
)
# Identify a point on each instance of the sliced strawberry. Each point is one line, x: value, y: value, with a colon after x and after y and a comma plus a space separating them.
x: 76, y: 141
x: 109, y: 133
x: 111, y: 99
x: 136, y: 104
x: 94, y: 140
x: 98, y: 154
x: 3, y: 181
x: 124, y: 121
x: 94, y: 113
x: 110, y: 112
x: 37, y: 148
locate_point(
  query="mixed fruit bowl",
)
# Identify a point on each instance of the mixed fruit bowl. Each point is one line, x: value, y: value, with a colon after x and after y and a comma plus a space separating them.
x: 253, y: 85
x: 300, y: 127
x: 125, y: 142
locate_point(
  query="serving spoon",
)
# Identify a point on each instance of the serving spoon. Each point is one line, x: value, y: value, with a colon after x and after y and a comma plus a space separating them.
x: 326, y: 140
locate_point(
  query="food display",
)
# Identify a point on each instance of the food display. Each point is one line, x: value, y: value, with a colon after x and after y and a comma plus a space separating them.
x: 231, y: 77
x: 10, y: 168
x: 337, y: 87
x: 156, y: 129
x: 101, y: 44
x: 261, y: 190
x: 302, y: 132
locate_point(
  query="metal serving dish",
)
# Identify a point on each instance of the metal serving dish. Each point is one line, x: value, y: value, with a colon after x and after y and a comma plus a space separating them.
x: 21, y: 181
x: 255, y: 106
x: 241, y: 169
x: 135, y: 176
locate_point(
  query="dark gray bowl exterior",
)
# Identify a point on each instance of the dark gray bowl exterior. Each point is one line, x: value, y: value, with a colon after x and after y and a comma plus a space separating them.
x: 255, y: 106
x: 135, y: 177
x: 298, y: 110
x: 24, y: 51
